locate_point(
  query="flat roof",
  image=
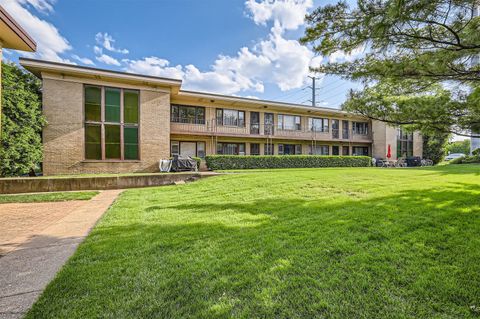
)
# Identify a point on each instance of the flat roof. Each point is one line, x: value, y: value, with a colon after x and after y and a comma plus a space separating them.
x: 12, y: 35
x: 38, y: 66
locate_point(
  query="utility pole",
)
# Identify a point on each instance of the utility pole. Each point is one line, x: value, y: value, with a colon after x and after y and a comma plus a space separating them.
x: 314, y: 90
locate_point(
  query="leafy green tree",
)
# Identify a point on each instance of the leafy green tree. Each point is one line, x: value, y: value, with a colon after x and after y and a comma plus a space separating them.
x: 458, y: 147
x: 434, y: 146
x: 419, y: 57
x: 22, y: 121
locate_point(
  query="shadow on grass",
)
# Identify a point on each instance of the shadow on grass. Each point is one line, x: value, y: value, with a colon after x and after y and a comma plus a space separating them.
x: 412, y: 254
x: 455, y: 169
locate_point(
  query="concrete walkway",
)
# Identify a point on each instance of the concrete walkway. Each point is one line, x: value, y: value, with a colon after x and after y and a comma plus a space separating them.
x: 32, y: 258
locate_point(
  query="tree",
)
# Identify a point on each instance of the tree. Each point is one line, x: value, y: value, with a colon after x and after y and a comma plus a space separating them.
x: 434, y: 146
x: 458, y: 147
x: 22, y: 121
x: 420, y: 58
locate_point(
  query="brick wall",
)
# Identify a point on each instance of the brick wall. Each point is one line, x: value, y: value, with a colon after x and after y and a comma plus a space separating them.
x: 63, y: 137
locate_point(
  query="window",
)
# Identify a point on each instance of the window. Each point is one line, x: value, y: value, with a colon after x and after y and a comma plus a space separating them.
x: 404, y: 143
x: 268, y: 149
x: 254, y: 149
x: 289, y: 149
x: 93, y: 141
x: 115, y: 134
x: 319, y: 150
x: 269, y: 125
x: 360, y: 128
x: 230, y: 117
x: 335, y: 150
x: 184, y: 148
x: 360, y: 151
x: 345, y: 130
x: 345, y: 150
x: 289, y: 122
x: 187, y: 114
x: 317, y: 124
x: 231, y: 148
x: 254, y: 123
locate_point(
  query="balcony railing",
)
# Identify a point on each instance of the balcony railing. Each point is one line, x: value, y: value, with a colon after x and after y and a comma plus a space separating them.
x: 211, y: 127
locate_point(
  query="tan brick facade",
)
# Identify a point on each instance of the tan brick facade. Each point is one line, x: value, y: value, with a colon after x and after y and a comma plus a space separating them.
x: 384, y: 135
x: 64, y: 135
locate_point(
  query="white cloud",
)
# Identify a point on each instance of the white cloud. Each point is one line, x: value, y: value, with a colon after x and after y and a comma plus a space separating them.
x: 289, y: 14
x: 107, y: 41
x: 277, y: 60
x: 341, y: 56
x: 45, y: 6
x: 108, y: 60
x: 86, y: 61
x: 97, y: 50
x: 154, y: 66
x: 50, y: 43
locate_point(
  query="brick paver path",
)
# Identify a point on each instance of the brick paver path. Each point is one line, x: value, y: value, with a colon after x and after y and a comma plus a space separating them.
x: 36, y: 239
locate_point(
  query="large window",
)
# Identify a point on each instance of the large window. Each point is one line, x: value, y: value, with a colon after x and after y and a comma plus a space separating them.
x: 254, y: 149
x: 289, y: 122
x: 360, y: 128
x: 230, y: 117
x: 404, y: 143
x: 318, y: 149
x: 360, y: 150
x: 289, y: 149
x: 318, y: 124
x: 187, y: 114
x: 186, y: 148
x: 111, y: 123
x: 230, y: 148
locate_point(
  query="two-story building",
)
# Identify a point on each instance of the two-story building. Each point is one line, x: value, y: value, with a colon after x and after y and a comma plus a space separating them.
x: 109, y: 121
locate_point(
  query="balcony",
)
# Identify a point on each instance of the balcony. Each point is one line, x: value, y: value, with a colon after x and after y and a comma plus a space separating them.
x: 210, y: 127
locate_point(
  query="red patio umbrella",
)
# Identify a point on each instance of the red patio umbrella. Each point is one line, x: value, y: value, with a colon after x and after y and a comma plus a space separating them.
x: 389, y: 152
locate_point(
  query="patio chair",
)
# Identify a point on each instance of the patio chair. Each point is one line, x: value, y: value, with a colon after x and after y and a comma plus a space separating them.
x: 401, y: 162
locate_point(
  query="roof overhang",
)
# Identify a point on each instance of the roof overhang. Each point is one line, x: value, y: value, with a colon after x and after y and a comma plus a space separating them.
x: 13, y: 36
x: 39, y: 68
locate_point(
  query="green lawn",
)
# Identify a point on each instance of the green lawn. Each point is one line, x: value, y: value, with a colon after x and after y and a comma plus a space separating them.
x: 47, y: 197
x: 304, y: 243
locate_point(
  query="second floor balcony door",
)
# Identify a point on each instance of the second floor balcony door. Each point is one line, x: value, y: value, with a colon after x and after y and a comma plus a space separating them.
x: 254, y: 123
x: 335, y: 128
x: 268, y: 130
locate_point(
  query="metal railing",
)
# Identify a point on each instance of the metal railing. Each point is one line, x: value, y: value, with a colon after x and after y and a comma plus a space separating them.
x: 211, y: 127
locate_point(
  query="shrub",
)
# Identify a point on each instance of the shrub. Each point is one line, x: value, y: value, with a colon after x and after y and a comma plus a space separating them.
x: 218, y: 162
x: 466, y: 160
x: 198, y: 160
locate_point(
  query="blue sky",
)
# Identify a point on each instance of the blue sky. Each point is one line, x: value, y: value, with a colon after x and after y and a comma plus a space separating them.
x: 246, y: 47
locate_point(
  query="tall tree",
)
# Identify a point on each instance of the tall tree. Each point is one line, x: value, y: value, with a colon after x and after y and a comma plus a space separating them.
x: 420, y: 61
x: 22, y: 121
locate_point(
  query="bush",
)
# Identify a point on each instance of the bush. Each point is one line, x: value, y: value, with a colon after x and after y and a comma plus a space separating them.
x: 198, y: 160
x: 466, y: 160
x: 218, y: 162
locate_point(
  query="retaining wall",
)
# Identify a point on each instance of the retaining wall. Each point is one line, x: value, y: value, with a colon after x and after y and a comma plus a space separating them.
x: 77, y: 183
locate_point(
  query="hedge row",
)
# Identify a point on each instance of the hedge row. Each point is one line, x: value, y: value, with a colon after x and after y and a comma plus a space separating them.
x: 218, y: 162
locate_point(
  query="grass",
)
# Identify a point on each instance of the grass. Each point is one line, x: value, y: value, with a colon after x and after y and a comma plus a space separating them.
x: 296, y: 243
x: 47, y: 197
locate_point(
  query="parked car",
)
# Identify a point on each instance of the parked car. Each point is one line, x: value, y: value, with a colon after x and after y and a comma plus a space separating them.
x: 454, y: 156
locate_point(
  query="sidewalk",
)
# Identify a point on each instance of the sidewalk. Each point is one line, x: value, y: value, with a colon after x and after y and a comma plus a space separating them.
x: 31, y: 260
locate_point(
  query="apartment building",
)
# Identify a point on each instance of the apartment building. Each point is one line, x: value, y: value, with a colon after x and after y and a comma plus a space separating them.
x: 108, y: 121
